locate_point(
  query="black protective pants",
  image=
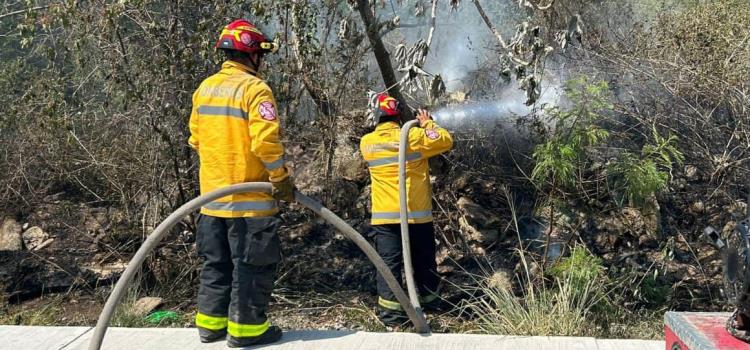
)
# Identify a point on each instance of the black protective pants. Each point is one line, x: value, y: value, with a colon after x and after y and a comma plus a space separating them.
x: 241, y: 256
x: 387, y: 240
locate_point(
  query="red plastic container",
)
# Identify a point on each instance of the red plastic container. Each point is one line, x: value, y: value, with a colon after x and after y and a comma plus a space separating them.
x: 699, y: 331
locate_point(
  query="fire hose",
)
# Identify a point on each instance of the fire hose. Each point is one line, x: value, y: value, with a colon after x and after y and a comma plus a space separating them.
x: 414, y: 313
x: 404, y: 214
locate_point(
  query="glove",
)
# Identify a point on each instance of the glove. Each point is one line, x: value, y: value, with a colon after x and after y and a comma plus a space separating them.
x: 423, y: 116
x: 284, y: 189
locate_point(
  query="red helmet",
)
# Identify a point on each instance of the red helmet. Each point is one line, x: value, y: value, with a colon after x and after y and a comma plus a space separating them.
x: 388, y: 106
x: 241, y: 35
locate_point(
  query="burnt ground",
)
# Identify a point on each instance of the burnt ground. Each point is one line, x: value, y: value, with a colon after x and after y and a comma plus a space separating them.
x: 325, y: 282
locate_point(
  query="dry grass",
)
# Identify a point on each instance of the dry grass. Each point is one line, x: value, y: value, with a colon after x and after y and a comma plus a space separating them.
x: 562, y: 309
x: 46, y: 311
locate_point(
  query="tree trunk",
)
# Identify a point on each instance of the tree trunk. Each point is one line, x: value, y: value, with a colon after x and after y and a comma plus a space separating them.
x: 382, y: 56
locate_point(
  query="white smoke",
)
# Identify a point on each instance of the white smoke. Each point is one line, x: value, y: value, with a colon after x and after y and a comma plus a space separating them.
x: 461, y: 41
x: 462, y: 46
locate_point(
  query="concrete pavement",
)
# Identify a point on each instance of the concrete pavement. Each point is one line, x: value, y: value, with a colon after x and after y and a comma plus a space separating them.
x: 70, y: 338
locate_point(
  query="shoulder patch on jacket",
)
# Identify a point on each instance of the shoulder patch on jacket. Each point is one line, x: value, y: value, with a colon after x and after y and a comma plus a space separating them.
x: 431, y: 134
x: 267, y: 111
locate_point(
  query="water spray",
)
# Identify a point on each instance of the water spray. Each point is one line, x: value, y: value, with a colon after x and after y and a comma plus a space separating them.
x: 477, y: 111
x: 508, y: 104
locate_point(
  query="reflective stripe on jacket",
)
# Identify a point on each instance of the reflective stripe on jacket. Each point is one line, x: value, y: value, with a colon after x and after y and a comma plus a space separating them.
x: 380, y: 150
x: 234, y: 127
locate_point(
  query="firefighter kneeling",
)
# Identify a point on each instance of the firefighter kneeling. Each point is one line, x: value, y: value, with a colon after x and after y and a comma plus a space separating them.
x: 380, y: 149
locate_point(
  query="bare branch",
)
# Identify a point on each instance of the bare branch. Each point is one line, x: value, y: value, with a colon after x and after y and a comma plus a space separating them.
x: 489, y: 24
x: 546, y: 7
x: 20, y: 12
x: 433, y: 20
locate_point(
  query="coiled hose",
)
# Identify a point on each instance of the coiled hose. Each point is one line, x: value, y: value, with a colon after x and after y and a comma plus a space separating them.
x: 155, y: 237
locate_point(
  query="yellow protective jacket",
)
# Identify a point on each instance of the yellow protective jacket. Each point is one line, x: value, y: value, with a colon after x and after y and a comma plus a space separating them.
x: 234, y: 127
x: 380, y: 149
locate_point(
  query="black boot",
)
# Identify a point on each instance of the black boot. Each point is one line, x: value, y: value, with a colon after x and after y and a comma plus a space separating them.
x: 436, y: 306
x: 392, y: 318
x: 272, y: 335
x: 209, y: 336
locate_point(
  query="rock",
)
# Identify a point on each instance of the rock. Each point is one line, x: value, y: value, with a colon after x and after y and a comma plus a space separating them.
x: 34, y: 237
x: 145, y: 305
x: 10, y: 236
x: 478, y: 223
x: 107, y: 271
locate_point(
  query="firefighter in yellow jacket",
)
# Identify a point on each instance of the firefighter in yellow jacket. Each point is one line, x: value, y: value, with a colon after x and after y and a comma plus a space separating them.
x: 380, y: 150
x: 234, y: 127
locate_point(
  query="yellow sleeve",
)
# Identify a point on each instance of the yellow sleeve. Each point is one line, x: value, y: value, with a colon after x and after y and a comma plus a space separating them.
x: 264, y: 131
x: 430, y: 139
x: 193, y: 140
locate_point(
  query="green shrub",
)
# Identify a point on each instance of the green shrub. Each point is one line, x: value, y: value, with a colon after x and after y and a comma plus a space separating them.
x: 582, y: 268
x: 641, y: 176
x: 652, y: 291
x: 575, y: 132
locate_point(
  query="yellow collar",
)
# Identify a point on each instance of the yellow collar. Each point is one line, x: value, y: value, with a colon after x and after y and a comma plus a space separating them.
x: 229, y: 64
x: 387, y: 126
